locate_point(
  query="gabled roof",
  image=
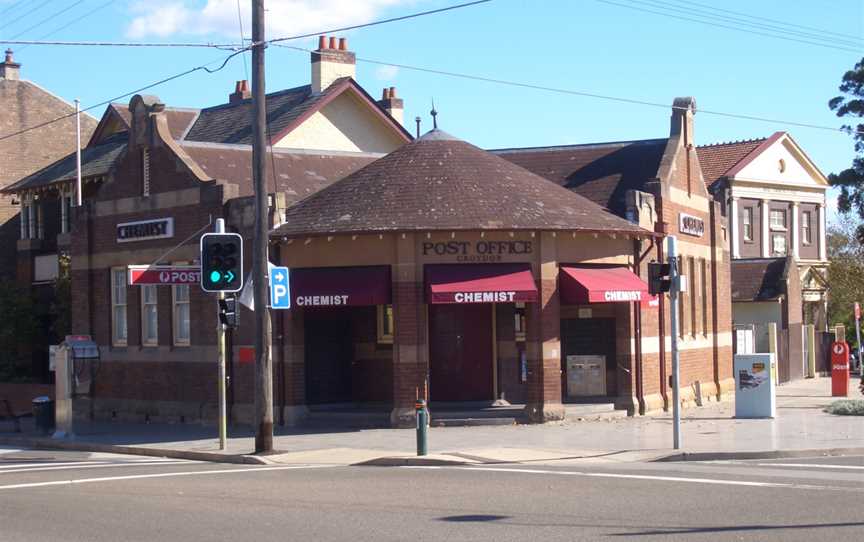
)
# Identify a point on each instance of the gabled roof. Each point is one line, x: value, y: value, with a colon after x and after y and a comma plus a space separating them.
x: 439, y: 182
x: 96, y: 160
x: 718, y: 159
x: 286, y: 109
x: 179, y: 120
x: 601, y: 172
x: 759, y: 279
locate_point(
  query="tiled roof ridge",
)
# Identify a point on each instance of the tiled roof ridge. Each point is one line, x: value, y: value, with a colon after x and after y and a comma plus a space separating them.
x: 582, y: 145
x: 249, y: 100
x: 730, y: 143
x: 167, y: 107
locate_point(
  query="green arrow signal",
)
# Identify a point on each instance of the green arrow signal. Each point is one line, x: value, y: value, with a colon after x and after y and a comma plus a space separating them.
x: 229, y: 276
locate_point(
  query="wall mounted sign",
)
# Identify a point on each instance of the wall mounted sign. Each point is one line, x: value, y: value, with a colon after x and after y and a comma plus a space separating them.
x: 164, y: 274
x: 691, y: 225
x: 145, y: 230
x: 477, y: 251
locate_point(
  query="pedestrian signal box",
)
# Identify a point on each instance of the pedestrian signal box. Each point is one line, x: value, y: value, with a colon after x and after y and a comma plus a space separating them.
x: 221, y: 262
x: 659, y: 280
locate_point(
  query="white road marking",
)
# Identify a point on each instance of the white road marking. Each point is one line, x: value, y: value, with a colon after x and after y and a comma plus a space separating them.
x: 160, y: 475
x: 25, y: 464
x: 27, y: 468
x: 9, y: 451
x: 650, y: 477
x: 811, y: 466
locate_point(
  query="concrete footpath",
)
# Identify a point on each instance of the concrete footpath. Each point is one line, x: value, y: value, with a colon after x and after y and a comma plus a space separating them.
x: 709, y: 432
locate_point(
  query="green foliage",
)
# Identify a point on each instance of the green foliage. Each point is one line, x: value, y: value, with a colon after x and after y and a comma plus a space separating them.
x: 19, y: 330
x: 851, y: 181
x: 846, y: 407
x: 845, y: 274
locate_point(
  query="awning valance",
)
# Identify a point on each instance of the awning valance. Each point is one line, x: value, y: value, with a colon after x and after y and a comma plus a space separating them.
x: 340, y: 286
x: 578, y: 285
x: 480, y: 283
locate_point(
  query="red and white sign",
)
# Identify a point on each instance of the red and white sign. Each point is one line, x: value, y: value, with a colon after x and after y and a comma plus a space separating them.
x: 164, y: 274
x: 857, y: 311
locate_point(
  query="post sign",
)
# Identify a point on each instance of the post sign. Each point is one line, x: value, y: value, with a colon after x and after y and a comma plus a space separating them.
x: 145, y: 230
x: 691, y: 225
x: 839, y: 369
x: 280, y: 288
x: 164, y: 274
x: 857, y: 311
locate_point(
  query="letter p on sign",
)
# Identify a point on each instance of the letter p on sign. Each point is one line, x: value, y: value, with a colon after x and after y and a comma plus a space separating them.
x: 280, y: 288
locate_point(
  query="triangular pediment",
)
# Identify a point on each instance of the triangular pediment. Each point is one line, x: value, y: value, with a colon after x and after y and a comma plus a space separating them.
x: 780, y: 161
x: 812, y: 279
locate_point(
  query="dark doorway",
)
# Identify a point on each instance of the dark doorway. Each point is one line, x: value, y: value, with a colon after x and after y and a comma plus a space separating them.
x: 587, y: 338
x: 460, y: 352
x: 329, y: 355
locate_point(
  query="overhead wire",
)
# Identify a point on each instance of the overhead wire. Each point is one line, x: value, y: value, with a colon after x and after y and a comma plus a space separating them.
x: 73, y: 21
x: 34, y: 10
x: 242, y: 38
x: 47, y: 19
x: 12, y: 6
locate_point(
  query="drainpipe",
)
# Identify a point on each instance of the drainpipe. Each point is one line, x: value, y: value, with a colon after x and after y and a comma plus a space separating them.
x: 637, y: 326
x: 714, y: 313
x: 281, y: 399
x: 660, y: 227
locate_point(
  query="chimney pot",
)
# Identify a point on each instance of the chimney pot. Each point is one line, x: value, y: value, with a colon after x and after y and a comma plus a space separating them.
x: 9, y: 55
x: 343, y: 44
x: 322, y: 43
x: 332, y: 42
x: 392, y: 92
x: 386, y: 94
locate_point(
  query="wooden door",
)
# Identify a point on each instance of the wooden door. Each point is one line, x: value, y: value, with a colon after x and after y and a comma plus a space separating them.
x: 329, y: 356
x: 460, y: 352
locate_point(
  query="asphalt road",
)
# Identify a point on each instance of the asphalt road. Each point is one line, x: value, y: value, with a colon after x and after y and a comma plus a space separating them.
x: 99, y: 497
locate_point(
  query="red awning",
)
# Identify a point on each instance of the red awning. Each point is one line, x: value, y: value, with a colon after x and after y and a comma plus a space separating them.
x: 340, y: 286
x: 579, y: 285
x: 480, y: 283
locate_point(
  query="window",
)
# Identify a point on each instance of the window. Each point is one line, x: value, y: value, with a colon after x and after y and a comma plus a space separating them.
x: 118, y: 307
x: 180, y: 294
x: 778, y: 219
x: 806, y: 231
x: 704, y: 284
x: 692, y: 295
x: 65, y: 212
x: 145, y: 171
x: 520, y: 324
x: 747, y: 221
x: 149, y: 316
x: 385, y: 324
x: 25, y: 221
x: 778, y: 244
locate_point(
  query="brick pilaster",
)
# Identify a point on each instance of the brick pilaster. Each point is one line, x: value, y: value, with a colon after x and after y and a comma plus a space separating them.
x: 410, y: 359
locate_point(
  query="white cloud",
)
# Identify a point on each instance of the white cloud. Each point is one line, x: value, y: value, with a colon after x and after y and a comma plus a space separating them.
x: 219, y: 17
x: 386, y: 73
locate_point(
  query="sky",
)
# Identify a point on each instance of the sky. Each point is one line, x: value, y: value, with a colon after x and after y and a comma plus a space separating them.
x: 615, y: 48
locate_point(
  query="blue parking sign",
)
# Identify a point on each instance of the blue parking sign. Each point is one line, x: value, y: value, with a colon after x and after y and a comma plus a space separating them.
x: 280, y: 288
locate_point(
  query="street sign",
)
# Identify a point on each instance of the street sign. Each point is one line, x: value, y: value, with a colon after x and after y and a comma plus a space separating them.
x: 857, y: 311
x: 164, y: 274
x: 280, y: 288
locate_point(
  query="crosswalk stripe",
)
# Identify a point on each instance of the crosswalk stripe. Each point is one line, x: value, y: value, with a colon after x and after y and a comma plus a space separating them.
x: 812, y: 466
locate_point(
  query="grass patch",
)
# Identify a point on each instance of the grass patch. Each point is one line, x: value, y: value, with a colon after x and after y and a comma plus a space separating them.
x: 846, y: 407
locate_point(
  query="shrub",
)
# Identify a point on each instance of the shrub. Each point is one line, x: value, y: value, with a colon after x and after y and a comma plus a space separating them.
x: 846, y: 407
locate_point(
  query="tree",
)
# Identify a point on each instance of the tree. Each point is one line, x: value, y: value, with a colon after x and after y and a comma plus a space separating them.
x: 17, y: 332
x: 845, y: 272
x: 851, y: 180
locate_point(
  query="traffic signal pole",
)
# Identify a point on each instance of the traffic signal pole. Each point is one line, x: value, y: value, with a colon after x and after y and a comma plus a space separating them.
x: 220, y: 343
x: 674, y: 291
x: 263, y: 361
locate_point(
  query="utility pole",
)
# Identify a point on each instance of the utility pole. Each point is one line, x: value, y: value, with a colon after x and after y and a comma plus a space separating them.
x: 220, y: 341
x: 263, y: 361
x: 674, y: 291
x: 79, y: 199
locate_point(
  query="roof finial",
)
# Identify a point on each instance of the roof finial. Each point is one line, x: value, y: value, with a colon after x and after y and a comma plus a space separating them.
x: 434, y: 116
x: 417, y: 120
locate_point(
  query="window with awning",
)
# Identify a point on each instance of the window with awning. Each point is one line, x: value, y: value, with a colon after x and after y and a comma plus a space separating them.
x: 480, y: 283
x: 581, y: 285
x: 341, y: 286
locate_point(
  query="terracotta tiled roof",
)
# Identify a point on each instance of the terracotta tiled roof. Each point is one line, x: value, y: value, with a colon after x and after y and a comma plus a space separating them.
x: 759, y: 279
x: 96, y: 160
x: 297, y: 174
x: 601, y: 172
x: 719, y: 158
x: 441, y: 183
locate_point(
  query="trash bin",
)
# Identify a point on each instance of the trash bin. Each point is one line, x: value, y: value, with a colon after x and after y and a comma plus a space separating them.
x: 43, y: 414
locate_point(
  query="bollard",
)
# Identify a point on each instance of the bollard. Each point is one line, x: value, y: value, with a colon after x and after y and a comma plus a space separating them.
x: 422, y: 426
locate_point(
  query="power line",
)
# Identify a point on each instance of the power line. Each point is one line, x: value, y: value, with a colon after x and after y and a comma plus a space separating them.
x: 73, y: 21
x: 821, y: 30
x: 747, y: 22
x: 13, y: 21
x: 203, y: 67
x: 13, y: 6
x: 50, y: 17
x: 242, y: 38
x: 584, y: 94
x: 729, y: 27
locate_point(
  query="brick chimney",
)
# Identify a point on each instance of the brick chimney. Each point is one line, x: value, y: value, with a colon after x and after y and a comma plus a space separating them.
x: 331, y: 61
x: 683, y: 110
x: 9, y: 69
x: 393, y: 105
x: 241, y: 92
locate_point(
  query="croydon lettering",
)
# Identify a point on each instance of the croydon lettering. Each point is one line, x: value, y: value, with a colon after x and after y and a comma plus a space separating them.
x: 617, y: 295
x: 484, y: 297
x: 321, y: 300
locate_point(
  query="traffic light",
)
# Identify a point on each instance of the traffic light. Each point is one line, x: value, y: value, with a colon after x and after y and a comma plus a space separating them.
x: 221, y: 262
x: 658, y: 278
x: 228, y: 315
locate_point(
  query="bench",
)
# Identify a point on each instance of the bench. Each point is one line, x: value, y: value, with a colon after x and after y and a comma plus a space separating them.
x: 10, y: 414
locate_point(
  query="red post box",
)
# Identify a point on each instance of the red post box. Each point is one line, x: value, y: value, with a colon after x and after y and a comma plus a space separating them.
x: 839, y: 369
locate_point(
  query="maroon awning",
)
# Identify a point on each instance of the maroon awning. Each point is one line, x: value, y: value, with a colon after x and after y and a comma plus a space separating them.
x: 480, y: 283
x: 579, y: 285
x: 340, y: 286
